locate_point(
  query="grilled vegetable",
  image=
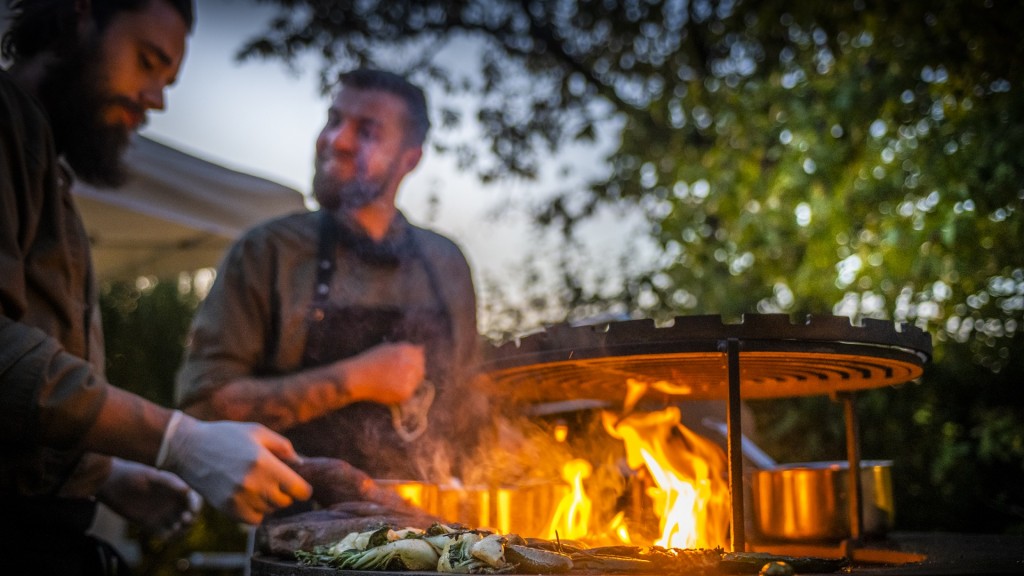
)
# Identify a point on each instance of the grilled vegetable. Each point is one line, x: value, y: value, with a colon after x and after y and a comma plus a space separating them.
x: 490, y: 549
x: 404, y: 554
x: 362, y: 540
x: 469, y: 553
x: 776, y: 569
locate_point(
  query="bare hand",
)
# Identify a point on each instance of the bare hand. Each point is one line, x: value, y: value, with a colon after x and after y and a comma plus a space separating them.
x: 387, y: 373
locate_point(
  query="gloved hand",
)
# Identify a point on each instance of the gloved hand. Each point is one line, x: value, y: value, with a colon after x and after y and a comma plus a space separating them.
x: 159, y: 502
x: 237, y: 467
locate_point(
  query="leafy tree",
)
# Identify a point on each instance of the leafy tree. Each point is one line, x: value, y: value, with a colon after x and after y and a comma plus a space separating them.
x: 851, y: 157
x: 145, y: 323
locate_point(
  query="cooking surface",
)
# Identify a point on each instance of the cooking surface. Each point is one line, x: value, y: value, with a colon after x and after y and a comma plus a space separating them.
x: 688, y: 359
x: 944, y: 554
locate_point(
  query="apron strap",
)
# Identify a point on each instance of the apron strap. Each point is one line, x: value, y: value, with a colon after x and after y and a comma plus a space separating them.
x: 435, y: 284
x: 325, y: 264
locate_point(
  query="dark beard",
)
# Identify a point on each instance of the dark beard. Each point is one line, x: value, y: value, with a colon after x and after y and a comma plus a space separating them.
x: 352, y: 195
x: 347, y: 196
x: 71, y: 96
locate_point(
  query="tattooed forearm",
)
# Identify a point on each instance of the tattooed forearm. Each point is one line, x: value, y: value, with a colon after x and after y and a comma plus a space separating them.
x: 279, y: 402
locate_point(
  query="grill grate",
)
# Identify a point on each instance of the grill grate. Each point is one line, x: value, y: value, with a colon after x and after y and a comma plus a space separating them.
x: 688, y: 359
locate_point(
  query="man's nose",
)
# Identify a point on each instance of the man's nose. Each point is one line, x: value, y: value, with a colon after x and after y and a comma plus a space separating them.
x: 343, y: 136
x: 153, y: 96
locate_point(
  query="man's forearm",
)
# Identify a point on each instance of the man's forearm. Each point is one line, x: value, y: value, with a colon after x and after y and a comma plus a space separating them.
x: 122, y: 410
x: 277, y: 402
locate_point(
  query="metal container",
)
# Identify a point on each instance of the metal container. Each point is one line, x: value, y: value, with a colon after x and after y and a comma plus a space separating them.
x: 810, y: 501
x: 525, y: 509
x: 422, y: 494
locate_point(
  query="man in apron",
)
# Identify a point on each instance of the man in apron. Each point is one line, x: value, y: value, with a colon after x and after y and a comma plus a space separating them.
x: 348, y: 329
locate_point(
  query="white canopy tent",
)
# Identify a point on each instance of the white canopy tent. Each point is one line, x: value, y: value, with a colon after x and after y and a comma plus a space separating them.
x: 176, y: 213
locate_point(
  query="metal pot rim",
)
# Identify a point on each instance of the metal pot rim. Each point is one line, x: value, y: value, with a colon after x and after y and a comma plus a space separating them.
x: 830, y: 465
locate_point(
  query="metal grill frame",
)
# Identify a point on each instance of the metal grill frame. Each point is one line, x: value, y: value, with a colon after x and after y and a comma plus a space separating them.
x: 824, y: 355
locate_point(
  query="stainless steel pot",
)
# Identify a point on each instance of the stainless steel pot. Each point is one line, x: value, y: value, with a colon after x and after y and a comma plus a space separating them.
x: 422, y: 494
x: 524, y: 508
x: 810, y: 501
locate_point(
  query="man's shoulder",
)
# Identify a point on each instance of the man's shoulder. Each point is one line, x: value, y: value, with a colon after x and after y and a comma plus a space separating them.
x: 442, y: 251
x: 288, y: 232
x: 303, y: 224
x: 434, y: 240
x: 17, y: 105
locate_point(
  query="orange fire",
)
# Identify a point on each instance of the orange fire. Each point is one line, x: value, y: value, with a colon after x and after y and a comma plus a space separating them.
x: 572, y: 517
x: 690, y: 495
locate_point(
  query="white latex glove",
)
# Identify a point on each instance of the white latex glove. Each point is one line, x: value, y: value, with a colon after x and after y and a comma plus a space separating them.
x: 159, y: 502
x: 237, y: 467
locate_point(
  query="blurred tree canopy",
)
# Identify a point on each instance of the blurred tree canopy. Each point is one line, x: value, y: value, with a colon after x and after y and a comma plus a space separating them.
x: 850, y: 157
x: 853, y: 157
x: 862, y: 157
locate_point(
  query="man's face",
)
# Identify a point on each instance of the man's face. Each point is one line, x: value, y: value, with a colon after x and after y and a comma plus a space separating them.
x: 361, y: 153
x: 98, y: 96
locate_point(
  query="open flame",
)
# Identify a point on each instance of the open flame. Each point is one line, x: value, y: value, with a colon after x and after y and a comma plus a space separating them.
x: 642, y: 479
x: 572, y: 517
x: 689, y: 495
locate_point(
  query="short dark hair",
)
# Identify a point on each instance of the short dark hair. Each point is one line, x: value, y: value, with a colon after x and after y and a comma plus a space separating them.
x: 415, y: 101
x: 40, y: 25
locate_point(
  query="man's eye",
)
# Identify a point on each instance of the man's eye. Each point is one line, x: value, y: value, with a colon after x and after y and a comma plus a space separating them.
x: 146, y: 62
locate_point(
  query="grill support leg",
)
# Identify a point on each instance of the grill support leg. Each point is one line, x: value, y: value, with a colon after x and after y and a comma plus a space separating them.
x: 734, y: 445
x: 853, y: 456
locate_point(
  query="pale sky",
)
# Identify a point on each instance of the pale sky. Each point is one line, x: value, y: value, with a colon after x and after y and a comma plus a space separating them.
x: 259, y: 117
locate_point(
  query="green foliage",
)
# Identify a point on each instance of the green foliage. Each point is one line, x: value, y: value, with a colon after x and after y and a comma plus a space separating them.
x: 852, y: 157
x: 145, y: 323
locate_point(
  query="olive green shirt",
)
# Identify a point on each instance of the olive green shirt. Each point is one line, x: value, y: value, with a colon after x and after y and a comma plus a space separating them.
x: 51, y: 353
x: 254, y: 320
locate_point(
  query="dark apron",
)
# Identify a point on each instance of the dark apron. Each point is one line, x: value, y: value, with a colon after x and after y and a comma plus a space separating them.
x: 363, y: 433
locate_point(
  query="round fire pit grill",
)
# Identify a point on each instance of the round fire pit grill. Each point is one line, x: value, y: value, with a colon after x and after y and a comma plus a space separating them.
x: 704, y: 357
x: 689, y: 359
